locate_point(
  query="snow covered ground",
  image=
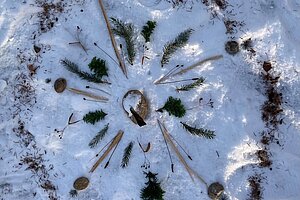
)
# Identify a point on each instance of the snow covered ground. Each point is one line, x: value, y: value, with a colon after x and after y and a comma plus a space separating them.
x: 31, y: 110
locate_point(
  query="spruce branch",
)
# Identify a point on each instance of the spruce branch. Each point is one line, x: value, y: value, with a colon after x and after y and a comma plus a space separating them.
x: 172, y: 46
x: 98, y: 67
x: 199, y: 131
x: 174, y: 107
x: 190, y: 86
x: 148, y: 30
x: 126, y: 31
x: 93, y: 117
x: 73, y: 67
x: 127, y: 155
x: 100, y: 135
x: 152, y: 190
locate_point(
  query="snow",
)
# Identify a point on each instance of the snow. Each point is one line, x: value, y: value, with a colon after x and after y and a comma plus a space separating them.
x: 233, y: 83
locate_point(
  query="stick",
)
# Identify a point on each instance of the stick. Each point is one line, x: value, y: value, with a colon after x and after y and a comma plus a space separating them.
x: 172, y: 164
x: 180, y: 157
x: 112, y: 38
x: 197, y: 64
x: 182, y: 80
x: 89, y: 87
x: 107, y: 163
x: 77, y: 91
x: 115, y: 141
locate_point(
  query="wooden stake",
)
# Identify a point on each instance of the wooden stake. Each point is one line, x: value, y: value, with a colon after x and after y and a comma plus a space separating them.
x: 77, y: 91
x: 113, y: 41
x: 197, y: 64
x: 114, y: 142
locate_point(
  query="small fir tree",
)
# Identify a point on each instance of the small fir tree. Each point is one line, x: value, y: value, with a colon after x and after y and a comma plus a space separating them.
x: 174, y: 107
x: 199, y: 131
x: 126, y: 31
x: 127, y: 155
x: 98, y: 67
x: 148, y: 30
x: 171, y: 47
x: 93, y: 117
x: 152, y: 190
x: 100, y: 135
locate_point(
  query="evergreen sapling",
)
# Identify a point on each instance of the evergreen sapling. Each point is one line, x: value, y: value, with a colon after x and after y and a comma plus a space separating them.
x: 174, y: 107
x: 98, y: 66
x: 146, y: 33
x: 152, y: 190
x: 100, y: 135
x: 148, y: 30
x: 93, y: 117
x: 127, y: 155
x: 126, y: 31
x: 199, y: 131
x: 171, y: 47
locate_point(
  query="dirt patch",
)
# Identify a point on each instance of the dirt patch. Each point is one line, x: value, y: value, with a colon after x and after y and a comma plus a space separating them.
x: 255, y: 186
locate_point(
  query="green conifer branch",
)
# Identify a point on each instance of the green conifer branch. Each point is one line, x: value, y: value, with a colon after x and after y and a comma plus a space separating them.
x: 199, y: 131
x: 190, y: 86
x: 98, y: 66
x: 174, y: 107
x: 127, y: 155
x: 148, y: 30
x: 172, y: 46
x: 152, y: 190
x: 73, y: 67
x: 126, y: 31
x: 93, y: 117
x: 100, y: 135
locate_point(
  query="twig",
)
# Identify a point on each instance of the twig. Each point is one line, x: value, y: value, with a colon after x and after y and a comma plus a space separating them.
x: 181, y: 147
x: 146, y: 161
x: 113, y: 41
x: 169, y: 74
x: 79, y: 42
x: 106, y: 53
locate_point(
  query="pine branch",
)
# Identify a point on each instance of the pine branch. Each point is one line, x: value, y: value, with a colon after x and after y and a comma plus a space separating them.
x: 93, y: 117
x: 174, y: 107
x: 126, y: 31
x: 148, y: 30
x: 152, y: 190
x: 199, y: 131
x: 100, y: 135
x: 190, y: 86
x: 171, y: 47
x: 127, y: 155
x: 98, y: 66
x: 73, y: 67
